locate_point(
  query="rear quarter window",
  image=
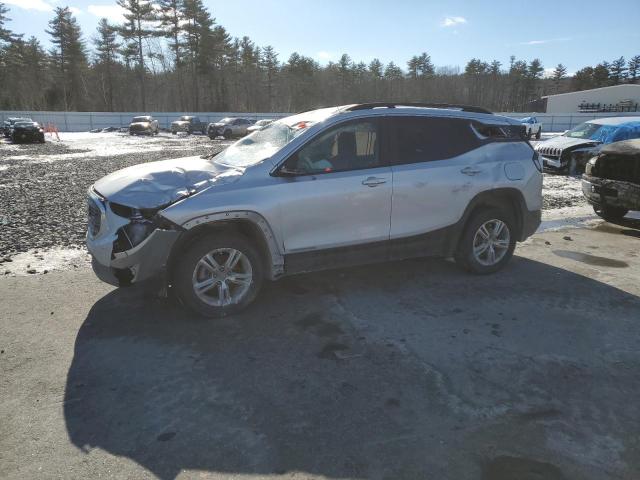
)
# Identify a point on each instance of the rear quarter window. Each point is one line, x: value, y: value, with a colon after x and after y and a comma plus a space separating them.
x: 426, y: 139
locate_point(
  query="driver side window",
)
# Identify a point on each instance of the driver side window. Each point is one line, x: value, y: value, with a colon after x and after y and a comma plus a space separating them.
x: 351, y: 146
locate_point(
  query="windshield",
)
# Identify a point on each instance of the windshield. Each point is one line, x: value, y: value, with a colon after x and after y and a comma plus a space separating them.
x: 263, y: 143
x: 226, y: 120
x: 140, y: 119
x: 258, y: 146
x: 185, y: 119
x: 593, y: 131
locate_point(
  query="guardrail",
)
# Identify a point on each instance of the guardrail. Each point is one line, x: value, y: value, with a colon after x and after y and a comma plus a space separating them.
x: 85, y: 121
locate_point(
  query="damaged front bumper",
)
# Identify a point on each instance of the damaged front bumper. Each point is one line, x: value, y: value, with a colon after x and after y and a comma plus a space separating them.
x: 145, y: 261
x: 614, y: 193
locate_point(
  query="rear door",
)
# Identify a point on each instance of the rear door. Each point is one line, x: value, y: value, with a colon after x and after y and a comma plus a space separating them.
x: 338, y: 192
x: 437, y: 169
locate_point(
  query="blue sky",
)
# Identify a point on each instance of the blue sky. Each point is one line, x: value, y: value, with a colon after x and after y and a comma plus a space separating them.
x: 573, y: 32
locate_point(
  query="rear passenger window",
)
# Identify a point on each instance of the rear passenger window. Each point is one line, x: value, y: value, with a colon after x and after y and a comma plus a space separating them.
x: 428, y: 139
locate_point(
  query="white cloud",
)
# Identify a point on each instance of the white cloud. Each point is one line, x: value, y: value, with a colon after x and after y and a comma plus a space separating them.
x: 39, y: 5
x: 453, y: 21
x: 542, y: 42
x: 76, y: 11
x: 110, y: 12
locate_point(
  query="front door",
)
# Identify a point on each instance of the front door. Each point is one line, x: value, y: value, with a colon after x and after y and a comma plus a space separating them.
x: 337, y: 192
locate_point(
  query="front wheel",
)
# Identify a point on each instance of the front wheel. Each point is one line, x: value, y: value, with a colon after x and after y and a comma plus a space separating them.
x: 539, y: 134
x: 219, y: 275
x: 227, y: 134
x: 610, y: 213
x: 487, y: 243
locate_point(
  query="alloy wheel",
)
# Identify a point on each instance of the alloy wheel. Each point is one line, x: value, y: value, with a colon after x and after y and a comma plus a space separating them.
x: 222, y: 277
x: 491, y: 242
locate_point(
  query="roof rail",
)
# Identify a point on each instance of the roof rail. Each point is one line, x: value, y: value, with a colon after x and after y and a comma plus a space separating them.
x: 463, y: 108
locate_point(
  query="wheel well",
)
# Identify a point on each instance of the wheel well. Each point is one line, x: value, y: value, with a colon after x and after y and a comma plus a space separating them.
x: 245, y: 228
x: 503, y: 198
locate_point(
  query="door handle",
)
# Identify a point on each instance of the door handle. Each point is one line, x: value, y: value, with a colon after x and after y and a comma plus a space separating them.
x: 471, y: 171
x: 373, y: 181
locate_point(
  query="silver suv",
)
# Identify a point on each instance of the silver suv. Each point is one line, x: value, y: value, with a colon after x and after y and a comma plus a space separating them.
x: 327, y: 188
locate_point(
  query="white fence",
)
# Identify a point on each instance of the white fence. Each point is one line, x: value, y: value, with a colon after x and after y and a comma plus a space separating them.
x: 85, y: 121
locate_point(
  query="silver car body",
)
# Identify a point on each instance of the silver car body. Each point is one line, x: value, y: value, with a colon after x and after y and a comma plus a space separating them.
x: 302, y: 217
x: 237, y: 127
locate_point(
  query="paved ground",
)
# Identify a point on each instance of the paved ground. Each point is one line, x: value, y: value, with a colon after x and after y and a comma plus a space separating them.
x: 409, y: 370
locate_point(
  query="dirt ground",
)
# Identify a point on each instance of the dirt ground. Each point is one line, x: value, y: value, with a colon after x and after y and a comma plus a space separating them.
x: 405, y: 370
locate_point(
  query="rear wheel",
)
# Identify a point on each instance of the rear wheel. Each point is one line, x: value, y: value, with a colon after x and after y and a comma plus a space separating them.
x: 610, y: 213
x: 487, y: 243
x: 219, y: 275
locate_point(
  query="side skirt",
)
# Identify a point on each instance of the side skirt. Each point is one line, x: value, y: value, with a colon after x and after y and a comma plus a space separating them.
x: 439, y: 243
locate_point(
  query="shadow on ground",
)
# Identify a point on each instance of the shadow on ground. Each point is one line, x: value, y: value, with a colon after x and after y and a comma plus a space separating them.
x: 406, y: 370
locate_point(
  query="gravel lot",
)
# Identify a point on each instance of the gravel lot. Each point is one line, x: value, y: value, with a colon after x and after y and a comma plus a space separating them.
x: 43, y: 186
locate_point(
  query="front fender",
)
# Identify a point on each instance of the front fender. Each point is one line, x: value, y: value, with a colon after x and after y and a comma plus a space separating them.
x: 275, y: 262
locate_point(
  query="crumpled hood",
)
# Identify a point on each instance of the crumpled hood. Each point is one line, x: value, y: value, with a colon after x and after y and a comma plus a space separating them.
x: 563, y: 142
x: 158, y: 184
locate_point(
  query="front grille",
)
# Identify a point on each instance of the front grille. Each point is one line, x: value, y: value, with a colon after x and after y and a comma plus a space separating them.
x: 95, y: 217
x: 550, y: 152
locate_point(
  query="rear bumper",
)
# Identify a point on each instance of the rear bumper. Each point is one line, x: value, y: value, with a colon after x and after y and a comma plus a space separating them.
x: 530, y: 222
x: 600, y: 192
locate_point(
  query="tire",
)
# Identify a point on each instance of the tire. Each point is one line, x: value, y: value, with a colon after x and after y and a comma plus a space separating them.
x: 227, y: 134
x: 609, y: 213
x: 528, y: 134
x: 191, y: 268
x: 539, y: 134
x: 481, y: 263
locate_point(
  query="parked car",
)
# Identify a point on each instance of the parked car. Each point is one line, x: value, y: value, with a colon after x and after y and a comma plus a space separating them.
x: 229, y: 127
x: 144, y: 125
x: 259, y: 125
x: 533, y: 127
x: 22, y: 132
x: 611, y: 182
x: 188, y: 124
x: 314, y: 191
x: 7, y: 125
x: 571, y: 151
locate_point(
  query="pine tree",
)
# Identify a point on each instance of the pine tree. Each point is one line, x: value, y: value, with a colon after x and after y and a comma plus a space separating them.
x: 634, y: 68
x: 424, y: 66
x: 170, y: 26
x: 138, y: 14
x: 601, y: 74
x: 69, y: 57
x: 559, y: 74
x: 618, y: 71
x: 107, y: 48
x: 269, y: 64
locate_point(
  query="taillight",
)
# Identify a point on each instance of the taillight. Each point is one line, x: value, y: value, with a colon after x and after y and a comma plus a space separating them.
x: 536, y: 161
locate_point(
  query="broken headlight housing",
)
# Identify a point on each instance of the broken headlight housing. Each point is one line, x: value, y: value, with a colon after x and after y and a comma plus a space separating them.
x: 142, y: 223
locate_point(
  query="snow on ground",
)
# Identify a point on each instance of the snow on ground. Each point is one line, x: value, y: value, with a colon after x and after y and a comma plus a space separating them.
x: 83, y: 144
x: 45, y: 260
